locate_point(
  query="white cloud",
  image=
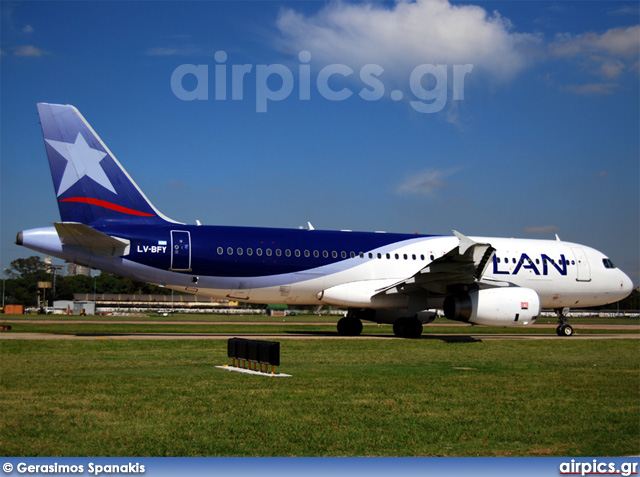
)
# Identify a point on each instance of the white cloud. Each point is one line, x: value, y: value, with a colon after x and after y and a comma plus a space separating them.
x: 618, y: 42
x: 426, y: 182
x: 28, y: 29
x: 605, y: 55
x: 406, y: 35
x: 628, y: 10
x: 175, y: 51
x: 28, y: 50
x: 590, y: 88
x: 610, y: 67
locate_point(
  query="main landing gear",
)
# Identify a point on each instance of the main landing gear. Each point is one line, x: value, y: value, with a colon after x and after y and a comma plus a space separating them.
x: 407, y: 327
x: 564, y: 328
x: 349, y: 326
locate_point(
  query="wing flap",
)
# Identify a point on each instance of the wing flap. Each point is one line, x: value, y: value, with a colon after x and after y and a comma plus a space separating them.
x: 462, y: 265
x: 81, y: 235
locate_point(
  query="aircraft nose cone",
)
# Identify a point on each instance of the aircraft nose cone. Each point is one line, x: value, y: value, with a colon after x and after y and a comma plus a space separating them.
x: 19, y: 238
x: 626, y: 285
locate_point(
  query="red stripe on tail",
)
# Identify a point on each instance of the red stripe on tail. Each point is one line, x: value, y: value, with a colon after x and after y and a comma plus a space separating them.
x: 107, y: 205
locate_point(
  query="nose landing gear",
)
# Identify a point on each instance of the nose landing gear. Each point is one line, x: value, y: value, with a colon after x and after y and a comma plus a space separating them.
x: 564, y: 328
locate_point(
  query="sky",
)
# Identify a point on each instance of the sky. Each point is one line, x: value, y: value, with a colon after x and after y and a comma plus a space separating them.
x: 507, y: 118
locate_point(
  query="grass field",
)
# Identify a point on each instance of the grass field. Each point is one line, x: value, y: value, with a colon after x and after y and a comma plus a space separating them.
x: 346, y: 398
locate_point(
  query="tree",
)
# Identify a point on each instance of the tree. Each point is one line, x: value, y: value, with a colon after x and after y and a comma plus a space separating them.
x: 25, y: 274
x: 24, y: 267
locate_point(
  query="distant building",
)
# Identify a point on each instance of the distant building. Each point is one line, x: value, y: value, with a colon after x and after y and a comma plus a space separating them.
x: 73, y: 270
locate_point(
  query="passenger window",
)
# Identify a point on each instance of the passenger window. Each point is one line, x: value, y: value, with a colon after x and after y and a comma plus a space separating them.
x: 268, y: 252
x: 220, y: 251
x: 249, y: 251
x: 230, y: 251
x: 316, y: 253
x: 259, y: 252
x: 325, y: 254
x: 287, y: 252
x: 239, y: 251
x: 278, y: 252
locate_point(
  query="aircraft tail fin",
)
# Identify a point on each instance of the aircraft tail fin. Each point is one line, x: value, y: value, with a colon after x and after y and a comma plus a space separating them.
x: 91, y: 186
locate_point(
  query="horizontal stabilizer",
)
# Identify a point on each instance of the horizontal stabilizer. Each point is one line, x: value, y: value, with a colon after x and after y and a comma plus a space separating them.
x: 81, y: 235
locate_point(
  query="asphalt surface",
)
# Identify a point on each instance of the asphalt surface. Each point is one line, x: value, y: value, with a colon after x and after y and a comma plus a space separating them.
x: 368, y: 332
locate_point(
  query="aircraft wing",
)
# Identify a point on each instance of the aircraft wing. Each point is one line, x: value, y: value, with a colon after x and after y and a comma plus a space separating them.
x: 81, y: 235
x: 462, y: 265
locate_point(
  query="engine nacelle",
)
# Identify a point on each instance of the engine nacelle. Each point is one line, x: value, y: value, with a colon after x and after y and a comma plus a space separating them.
x: 494, y: 307
x: 362, y: 294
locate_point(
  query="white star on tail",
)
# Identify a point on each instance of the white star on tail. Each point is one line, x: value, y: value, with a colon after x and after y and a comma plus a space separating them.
x: 82, y: 160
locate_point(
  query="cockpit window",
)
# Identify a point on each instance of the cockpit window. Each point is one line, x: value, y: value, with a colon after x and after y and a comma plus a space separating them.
x: 608, y: 263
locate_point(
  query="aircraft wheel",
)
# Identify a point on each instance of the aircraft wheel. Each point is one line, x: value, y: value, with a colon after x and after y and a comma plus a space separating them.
x: 567, y: 331
x: 564, y: 330
x: 349, y: 326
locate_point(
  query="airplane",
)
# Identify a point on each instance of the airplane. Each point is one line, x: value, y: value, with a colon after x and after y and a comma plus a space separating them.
x: 107, y: 223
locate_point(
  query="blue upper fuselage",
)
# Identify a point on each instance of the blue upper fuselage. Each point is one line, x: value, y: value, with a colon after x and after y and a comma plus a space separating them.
x: 244, y: 251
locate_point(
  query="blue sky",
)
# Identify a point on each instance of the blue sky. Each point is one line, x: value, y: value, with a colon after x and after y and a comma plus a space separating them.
x: 541, y: 136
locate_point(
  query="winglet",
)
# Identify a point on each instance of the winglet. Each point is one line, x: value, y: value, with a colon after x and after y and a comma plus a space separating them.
x: 465, y: 242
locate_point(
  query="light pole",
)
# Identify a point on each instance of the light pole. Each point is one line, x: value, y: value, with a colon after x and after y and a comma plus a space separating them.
x: 54, y: 271
x: 4, y: 271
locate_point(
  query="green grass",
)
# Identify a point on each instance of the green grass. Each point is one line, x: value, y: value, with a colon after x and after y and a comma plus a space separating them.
x: 346, y: 398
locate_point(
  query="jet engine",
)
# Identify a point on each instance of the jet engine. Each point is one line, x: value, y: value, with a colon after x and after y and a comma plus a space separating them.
x: 494, y: 306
